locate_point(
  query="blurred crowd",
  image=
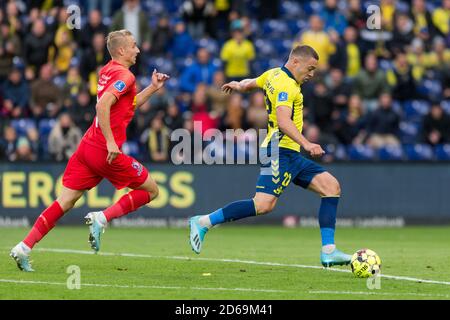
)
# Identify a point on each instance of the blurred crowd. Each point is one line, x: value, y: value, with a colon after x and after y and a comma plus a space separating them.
x: 381, y: 92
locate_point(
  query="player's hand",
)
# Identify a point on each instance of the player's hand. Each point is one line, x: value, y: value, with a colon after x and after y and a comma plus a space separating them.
x: 315, y: 150
x: 230, y: 86
x: 158, y: 79
x: 113, y: 152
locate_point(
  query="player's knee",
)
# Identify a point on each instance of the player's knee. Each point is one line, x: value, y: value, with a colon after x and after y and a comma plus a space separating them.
x: 264, y: 207
x: 333, y: 188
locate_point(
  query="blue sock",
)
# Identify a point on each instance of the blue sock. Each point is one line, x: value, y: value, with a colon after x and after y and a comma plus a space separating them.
x: 233, y: 211
x: 327, y: 219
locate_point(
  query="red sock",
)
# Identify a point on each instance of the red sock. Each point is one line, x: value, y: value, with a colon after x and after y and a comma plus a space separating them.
x: 44, y: 223
x: 129, y: 202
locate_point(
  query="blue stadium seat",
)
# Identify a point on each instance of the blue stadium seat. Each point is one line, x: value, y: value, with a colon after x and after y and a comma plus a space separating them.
x: 361, y: 152
x: 45, y: 127
x: 263, y: 48
x: 23, y: 125
x: 446, y: 106
x: 442, y: 152
x: 418, y: 152
x: 409, y: 131
x: 290, y: 9
x: 414, y: 110
x: 391, y: 153
x: 131, y: 148
x: 338, y: 152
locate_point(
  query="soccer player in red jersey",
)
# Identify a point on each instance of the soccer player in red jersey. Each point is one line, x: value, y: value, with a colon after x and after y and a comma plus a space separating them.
x: 99, y: 154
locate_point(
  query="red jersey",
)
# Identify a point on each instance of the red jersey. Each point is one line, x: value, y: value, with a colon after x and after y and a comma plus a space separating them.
x: 118, y: 80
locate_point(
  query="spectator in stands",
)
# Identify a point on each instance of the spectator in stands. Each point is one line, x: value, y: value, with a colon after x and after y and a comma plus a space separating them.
x: 201, y: 71
x: 16, y: 93
x: 423, y: 24
x: 73, y: 86
x: 82, y: 112
x: 383, y: 124
x: 332, y: 18
x: 218, y: 98
x: 417, y: 58
x: 198, y: 16
x: 173, y: 118
x: 338, y: 88
x: 317, y: 38
x: 8, y: 144
x: 315, y: 135
x: 46, y: 97
x: 23, y: 152
x: 10, y: 46
x: 237, y: 53
x: 441, y: 18
x: 370, y: 83
x: 201, y: 110
x: 323, y: 107
x: 13, y: 19
x: 64, y: 138
x: 403, y: 33
x: 159, y: 102
x: 388, y: 12
x: 157, y: 138
x: 93, y: 26
x: 106, y: 7
x: 436, y: 126
x: 235, y: 117
x: 348, y: 53
x: 355, y: 15
x: 94, y: 57
x: 256, y: 115
x: 348, y: 126
x: 162, y: 37
x: 36, y: 46
x: 144, y: 114
x: 182, y: 43
x: 401, y: 79
x: 63, y: 50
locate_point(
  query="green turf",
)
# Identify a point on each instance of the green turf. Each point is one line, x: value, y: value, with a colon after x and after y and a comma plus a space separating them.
x: 419, y: 252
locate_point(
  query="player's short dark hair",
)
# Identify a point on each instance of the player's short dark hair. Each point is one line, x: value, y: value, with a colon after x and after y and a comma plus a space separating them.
x: 304, y: 51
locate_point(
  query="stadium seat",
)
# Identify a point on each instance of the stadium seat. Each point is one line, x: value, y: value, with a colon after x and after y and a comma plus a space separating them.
x: 291, y: 10
x: 409, y: 131
x: 391, y: 153
x: 45, y: 127
x: 414, y: 110
x: 23, y: 125
x: 418, y: 152
x: 446, y: 106
x: 361, y: 152
x: 337, y: 151
x: 442, y: 152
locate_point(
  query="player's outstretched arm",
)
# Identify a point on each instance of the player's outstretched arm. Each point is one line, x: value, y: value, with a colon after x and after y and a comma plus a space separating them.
x: 288, y: 127
x: 103, y: 116
x: 158, y: 80
x: 241, y: 86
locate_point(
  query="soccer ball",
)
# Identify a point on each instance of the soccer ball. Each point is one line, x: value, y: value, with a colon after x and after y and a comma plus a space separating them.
x: 365, y: 263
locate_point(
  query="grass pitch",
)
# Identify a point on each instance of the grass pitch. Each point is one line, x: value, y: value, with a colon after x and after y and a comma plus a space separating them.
x: 237, y: 262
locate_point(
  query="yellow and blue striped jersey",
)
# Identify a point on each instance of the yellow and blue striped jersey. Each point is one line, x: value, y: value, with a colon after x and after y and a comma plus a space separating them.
x: 281, y: 89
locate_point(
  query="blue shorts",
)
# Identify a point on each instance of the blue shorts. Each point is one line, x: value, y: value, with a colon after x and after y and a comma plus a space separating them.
x: 289, y: 166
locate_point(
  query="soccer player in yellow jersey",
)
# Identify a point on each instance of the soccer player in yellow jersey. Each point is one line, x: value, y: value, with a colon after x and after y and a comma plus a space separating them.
x: 284, y: 104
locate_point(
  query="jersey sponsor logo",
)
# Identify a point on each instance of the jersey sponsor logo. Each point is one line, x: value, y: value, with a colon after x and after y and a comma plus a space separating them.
x: 138, y: 167
x: 282, y: 96
x: 119, y: 85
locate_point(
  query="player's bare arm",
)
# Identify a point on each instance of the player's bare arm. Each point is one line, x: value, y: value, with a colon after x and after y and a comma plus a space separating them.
x: 287, y: 126
x: 158, y: 80
x: 241, y: 86
x: 103, y: 115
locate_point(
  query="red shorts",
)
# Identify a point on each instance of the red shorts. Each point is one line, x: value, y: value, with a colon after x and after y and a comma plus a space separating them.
x: 88, y: 166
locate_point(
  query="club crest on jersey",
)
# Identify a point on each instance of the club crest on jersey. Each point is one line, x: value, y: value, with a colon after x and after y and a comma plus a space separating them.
x: 119, y: 85
x: 282, y: 96
x: 138, y: 167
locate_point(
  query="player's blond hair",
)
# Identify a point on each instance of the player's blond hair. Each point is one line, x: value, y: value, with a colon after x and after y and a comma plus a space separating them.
x: 304, y: 51
x: 115, y: 39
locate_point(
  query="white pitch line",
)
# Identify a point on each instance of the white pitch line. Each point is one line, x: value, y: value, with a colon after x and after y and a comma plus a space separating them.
x: 132, y: 255
x: 139, y: 286
x: 380, y: 293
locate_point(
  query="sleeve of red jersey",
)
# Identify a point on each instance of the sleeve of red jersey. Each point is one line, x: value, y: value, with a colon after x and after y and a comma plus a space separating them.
x: 121, y: 83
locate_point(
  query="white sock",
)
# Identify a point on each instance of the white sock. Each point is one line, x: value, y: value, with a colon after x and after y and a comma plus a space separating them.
x: 101, y: 218
x: 329, y: 248
x: 25, y: 248
x: 205, y: 221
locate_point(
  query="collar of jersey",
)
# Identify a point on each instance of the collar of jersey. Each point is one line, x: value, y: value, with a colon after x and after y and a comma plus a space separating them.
x: 290, y: 75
